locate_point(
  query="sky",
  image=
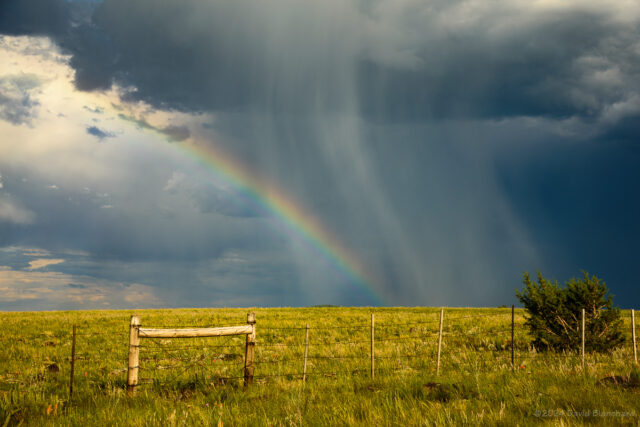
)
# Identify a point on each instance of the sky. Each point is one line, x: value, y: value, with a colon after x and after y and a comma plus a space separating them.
x: 191, y: 153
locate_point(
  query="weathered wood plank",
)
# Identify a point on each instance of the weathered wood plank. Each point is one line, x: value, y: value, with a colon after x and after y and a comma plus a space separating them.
x: 439, y: 341
x: 373, y: 358
x: 250, y: 349
x: 633, y: 335
x: 197, y: 332
x: 134, y: 353
x: 306, y: 352
x: 583, y: 326
x: 73, y: 361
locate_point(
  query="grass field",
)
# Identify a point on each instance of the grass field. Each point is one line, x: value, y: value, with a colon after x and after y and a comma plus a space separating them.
x: 197, y: 381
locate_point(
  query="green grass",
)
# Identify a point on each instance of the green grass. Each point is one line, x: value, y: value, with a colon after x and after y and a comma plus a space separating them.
x: 196, y: 381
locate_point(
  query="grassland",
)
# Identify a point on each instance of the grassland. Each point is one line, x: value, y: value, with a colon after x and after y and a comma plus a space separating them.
x: 196, y: 381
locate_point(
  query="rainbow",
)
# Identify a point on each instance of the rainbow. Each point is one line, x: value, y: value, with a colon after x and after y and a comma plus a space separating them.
x: 269, y: 197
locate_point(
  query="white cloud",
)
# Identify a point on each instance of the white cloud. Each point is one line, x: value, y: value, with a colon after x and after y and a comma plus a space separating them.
x: 141, y: 295
x: 622, y: 109
x: 35, y: 252
x: 37, y: 264
x: 12, y: 212
x: 27, y: 251
x: 177, y: 178
x: 72, y: 291
x: 17, y: 104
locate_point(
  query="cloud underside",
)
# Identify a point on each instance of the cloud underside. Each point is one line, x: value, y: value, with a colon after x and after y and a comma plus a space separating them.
x: 99, y: 133
x: 83, y: 282
x: 17, y: 104
x: 19, y: 289
x: 448, y: 144
x: 13, y: 212
x: 39, y: 263
x: 398, y: 60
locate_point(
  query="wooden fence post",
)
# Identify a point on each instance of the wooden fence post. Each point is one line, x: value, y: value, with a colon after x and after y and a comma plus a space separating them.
x: 73, y: 361
x: 633, y: 335
x: 439, y: 341
x: 513, y: 327
x: 250, y: 350
x: 583, y: 325
x: 134, y: 352
x: 306, y: 352
x: 373, y: 360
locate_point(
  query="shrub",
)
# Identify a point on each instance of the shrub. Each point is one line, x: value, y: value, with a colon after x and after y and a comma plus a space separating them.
x: 554, y: 314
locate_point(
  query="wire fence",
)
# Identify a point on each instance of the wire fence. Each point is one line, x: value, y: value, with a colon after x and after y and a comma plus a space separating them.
x: 480, y: 342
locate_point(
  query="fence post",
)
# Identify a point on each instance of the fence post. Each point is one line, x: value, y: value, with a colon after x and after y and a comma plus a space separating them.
x: 583, y: 322
x: 439, y: 341
x: 633, y: 335
x: 250, y: 350
x: 513, y: 327
x: 134, y: 353
x: 73, y: 361
x: 373, y: 361
x: 306, y: 351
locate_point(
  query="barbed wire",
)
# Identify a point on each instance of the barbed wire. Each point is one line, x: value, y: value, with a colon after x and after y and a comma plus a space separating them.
x: 202, y: 358
x: 169, y: 347
x: 507, y: 316
x: 470, y: 334
x: 383, y: 323
x: 285, y: 374
x: 161, y: 356
x: 188, y: 365
x: 359, y: 326
x: 101, y: 334
x: 327, y: 373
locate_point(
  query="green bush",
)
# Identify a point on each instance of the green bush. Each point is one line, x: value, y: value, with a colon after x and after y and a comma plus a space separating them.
x: 554, y: 314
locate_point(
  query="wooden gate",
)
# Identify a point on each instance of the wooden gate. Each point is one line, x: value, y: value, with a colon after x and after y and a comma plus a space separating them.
x: 136, y: 332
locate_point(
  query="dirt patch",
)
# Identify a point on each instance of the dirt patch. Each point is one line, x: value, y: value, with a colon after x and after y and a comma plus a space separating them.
x: 445, y: 392
x: 53, y: 368
x: 629, y: 381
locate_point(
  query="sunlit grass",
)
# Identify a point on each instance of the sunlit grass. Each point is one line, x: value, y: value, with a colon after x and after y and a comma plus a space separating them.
x: 198, y: 381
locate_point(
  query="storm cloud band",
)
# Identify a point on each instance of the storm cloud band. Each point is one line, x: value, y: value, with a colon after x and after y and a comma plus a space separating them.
x: 407, y: 61
x: 450, y: 144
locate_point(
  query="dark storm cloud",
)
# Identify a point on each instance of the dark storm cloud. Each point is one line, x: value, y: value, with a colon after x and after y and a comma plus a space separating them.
x: 627, y: 129
x: 541, y: 68
x: 76, y: 286
x: 99, y: 133
x: 115, y: 226
x: 69, y: 25
x: 579, y: 200
x: 439, y: 140
x: 173, y: 133
x: 176, y: 133
x: 38, y: 17
x: 577, y: 66
x: 407, y: 63
x: 547, y: 68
